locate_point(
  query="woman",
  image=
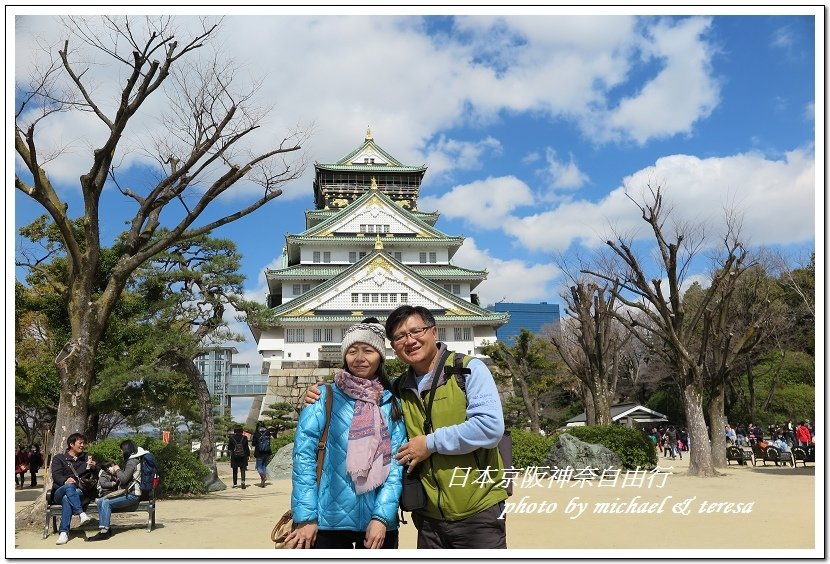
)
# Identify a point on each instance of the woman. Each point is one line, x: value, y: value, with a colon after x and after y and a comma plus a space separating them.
x: 262, y: 450
x: 21, y: 466
x: 130, y: 479
x: 240, y: 452
x: 356, y: 502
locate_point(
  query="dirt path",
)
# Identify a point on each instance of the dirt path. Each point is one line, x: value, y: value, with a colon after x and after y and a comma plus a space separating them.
x: 778, y: 504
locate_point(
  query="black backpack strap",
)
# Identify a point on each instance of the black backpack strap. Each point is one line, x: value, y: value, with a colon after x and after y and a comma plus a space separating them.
x: 436, y: 372
x: 460, y: 371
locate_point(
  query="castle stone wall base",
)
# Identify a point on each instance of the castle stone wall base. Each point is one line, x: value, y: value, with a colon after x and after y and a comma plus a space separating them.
x: 288, y: 385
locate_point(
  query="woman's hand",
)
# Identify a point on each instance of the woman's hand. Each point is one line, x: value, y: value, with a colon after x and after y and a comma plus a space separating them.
x: 303, y: 536
x: 375, y: 534
x: 312, y: 394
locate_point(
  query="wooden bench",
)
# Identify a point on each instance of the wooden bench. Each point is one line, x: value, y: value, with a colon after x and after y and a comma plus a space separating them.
x: 772, y: 454
x: 739, y: 455
x: 144, y: 506
x: 804, y: 454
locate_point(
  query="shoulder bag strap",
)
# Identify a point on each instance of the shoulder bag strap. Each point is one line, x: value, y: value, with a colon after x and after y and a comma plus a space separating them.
x: 436, y: 373
x: 321, y: 445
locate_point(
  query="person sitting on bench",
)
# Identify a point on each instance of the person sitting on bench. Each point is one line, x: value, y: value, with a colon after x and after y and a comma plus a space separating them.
x: 130, y: 480
x: 66, y: 470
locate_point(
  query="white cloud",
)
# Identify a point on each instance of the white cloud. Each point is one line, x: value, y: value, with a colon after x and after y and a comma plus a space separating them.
x: 447, y: 155
x: 514, y: 279
x: 484, y: 203
x: 563, y: 66
x: 776, y: 198
x: 682, y: 93
x: 564, y: 175
x: 782, y: 38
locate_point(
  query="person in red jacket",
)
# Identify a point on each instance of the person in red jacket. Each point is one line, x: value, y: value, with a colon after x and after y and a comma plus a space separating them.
x: 21, y: 466
x: 802, y: 434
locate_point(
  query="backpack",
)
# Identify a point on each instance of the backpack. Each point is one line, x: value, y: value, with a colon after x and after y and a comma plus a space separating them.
x: 238, y: 448
x: 264, y: 442
x: 149, y: 473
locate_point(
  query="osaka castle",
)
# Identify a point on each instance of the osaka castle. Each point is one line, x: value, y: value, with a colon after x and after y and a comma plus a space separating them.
x: 366, y: 250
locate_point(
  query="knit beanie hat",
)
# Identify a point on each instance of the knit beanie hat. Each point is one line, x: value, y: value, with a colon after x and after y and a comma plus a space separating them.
x: 373, y: 334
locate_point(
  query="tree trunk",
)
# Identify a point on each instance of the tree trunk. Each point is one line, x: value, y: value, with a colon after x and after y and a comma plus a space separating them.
x: 530, y: 407
x: 75, y: 364
x: 750, y: 380
x: 588, y: 400
x: 602, y: 402
x: 716, y: 404
x: 208, y: 440
x: 700, y: 451
x: 93, y: 427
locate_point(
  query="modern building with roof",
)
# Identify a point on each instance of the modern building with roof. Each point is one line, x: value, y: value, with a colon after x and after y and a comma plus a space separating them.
x: 525, y: 316
x: 366, y: 250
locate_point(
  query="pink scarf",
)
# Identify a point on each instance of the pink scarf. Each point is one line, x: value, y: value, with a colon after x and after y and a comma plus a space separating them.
x: 369, y: 450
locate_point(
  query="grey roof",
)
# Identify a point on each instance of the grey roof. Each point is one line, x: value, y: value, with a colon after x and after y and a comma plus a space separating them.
x: 619, y: 411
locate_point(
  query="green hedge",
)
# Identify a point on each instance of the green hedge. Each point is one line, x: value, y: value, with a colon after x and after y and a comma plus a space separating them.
x: 181, y: 471
x: 280, y: 441
x: 529, y: 449
x: 631, y: 445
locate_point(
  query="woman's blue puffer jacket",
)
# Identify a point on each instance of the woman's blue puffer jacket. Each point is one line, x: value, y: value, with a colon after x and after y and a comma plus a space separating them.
x: 336, y: 505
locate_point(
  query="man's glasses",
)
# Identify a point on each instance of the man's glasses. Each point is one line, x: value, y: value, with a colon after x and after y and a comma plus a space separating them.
x: 415, y: 333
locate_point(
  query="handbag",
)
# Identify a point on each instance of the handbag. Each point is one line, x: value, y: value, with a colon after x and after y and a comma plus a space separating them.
x: 286, y: 524
x: 21, y: 468
x: 413, y: 495
x: 88, y: 484
x: 116, y: 493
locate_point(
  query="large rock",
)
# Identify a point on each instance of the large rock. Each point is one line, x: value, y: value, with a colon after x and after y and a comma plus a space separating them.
x: 570, y: 452
x: 213, y: 482
x: 281, y: 463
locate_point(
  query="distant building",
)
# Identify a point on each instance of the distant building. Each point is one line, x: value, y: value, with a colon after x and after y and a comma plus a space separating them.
x: 525, y: 316
x: 215, y: 364
x: 630, y: 414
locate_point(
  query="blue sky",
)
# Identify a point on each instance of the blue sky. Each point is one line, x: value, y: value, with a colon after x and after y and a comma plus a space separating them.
x: 532, y: 125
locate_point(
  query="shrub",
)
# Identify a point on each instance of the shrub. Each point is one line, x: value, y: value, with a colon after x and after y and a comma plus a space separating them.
x: 529, y: 449
x: 281, y: 440
x: 631, y: 445
x: 181, y: 471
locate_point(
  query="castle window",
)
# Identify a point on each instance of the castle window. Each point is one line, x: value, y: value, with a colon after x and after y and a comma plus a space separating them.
x: 294, y: 335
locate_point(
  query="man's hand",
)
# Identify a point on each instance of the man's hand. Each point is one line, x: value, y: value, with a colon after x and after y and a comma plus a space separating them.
x: 375, y: 534
x: 303, y: 536
x: 312, y: 394
x: 413, y: 452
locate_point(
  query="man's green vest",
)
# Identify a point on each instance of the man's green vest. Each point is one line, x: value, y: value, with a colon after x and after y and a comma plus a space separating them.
x: 457, y: 485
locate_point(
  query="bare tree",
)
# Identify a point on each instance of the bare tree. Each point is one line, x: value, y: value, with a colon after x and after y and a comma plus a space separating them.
x: 203, y: 153
x: 673, y: 327
x: 592, y: 350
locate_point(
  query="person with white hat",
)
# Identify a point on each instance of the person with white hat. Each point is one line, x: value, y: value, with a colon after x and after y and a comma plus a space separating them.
x: 355, y: 504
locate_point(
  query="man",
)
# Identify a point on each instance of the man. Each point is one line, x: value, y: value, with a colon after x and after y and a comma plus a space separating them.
x: 457, y: 459
x: 66, y: 469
